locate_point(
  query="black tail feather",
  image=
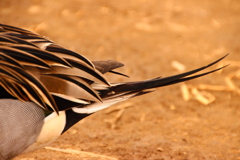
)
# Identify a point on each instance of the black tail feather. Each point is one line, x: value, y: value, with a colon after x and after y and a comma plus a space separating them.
x: 159, y: 82
x: 192, y: 77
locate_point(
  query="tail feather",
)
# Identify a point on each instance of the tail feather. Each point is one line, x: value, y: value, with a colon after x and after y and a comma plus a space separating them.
x: 192, y: 77
x: 159, y: 82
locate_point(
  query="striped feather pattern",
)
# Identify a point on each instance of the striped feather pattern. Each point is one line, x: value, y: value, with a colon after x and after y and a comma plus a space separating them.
x: 34, y: 68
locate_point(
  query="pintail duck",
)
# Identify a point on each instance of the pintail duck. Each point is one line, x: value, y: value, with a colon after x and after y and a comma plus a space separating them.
x: 45, y: 89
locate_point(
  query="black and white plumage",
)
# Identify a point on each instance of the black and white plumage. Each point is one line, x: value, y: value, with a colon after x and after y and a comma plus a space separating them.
x: 52, y: 88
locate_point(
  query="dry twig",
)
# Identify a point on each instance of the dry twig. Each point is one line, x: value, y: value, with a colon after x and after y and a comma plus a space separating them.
x: 203, y: 97
x: 114, y: 121
x: 118, y: 107
x: 81, y: 154
x: 185, y: 92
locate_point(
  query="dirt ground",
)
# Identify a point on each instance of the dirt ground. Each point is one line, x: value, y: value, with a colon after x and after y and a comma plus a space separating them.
x: 149, y: 37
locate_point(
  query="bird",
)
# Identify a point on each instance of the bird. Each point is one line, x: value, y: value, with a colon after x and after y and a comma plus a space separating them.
x: 45, y: 89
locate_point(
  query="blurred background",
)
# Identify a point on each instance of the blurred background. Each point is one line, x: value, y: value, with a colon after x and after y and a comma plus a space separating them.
x: 152, y: 38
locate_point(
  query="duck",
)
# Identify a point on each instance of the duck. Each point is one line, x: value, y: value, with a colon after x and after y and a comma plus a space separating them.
x: 45, y: 89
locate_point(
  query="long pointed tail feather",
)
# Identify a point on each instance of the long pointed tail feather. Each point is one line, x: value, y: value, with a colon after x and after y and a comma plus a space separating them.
x: 159, y: 82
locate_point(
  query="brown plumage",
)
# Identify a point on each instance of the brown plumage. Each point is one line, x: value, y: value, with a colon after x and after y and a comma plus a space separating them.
x: 34, y: 68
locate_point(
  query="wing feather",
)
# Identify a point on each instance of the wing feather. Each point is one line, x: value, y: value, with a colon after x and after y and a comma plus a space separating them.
x: 33, y: 68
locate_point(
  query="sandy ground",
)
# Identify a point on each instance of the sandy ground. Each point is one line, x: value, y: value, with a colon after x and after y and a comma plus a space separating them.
x: 147, y: 36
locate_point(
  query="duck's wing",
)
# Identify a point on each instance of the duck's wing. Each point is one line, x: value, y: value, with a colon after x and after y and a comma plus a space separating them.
x: 33, y: 68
